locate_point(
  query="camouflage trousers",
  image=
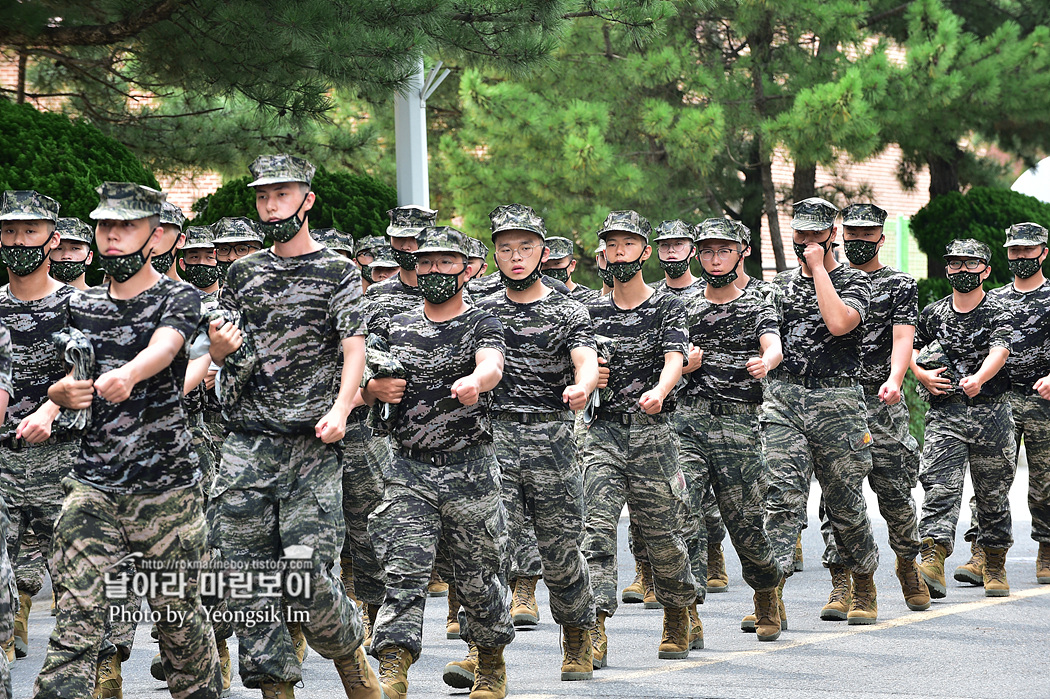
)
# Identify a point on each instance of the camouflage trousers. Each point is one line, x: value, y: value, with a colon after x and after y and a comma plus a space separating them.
x: 894, y: 470
x: 202, y: 444
x: 456, y: 502
x: 94, y: 535
x: 540, y: 478
x: 275, y: 496
x: 984, y: 436
x: 363, y: 458
x: 31, y: 482
x: 637, y: 465
x: 822, y: 432
x: 1032, y: 423
x: 8, y: 601
x: 722, y: 453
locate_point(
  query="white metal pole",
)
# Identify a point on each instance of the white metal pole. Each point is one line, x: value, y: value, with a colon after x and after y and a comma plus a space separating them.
x: 410, y: 144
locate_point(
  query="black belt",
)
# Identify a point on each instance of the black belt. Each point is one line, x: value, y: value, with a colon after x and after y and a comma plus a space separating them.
x: 816, y: 381
x: 440, y: 458
x: 628, y: 419
x: 871, y: 389
x: 531, y: 418
x: 964, y: 400
x: 721, y: 407
x: 12, y: 443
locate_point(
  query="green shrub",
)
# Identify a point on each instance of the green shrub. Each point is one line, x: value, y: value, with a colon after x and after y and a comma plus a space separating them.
x: 917, y: 407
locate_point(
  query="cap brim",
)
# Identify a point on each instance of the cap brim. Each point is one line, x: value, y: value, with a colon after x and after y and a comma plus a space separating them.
x: 810, y: 225
x: 506, y: 229
x: 384, y: 263
x: 236, y: 239
x: 20, y: 216
x: 105, y: 213
x: 440, y: 248
x: 673, y: 237
x: 859, y: 223
x: 1020, y: 241
x: 603, y: 234
x: 274, y: 180
x: 700, y: 238
x: 198, y: 246
x: 404, y: 232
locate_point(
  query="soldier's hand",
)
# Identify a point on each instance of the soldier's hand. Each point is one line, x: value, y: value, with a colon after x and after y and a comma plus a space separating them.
x: 756, y: 366
x: 36, y: 427
x: 933, y: 381
x: 72, y: 394
x: 813, y: 255
x: 575, y: 396
x: 652, y: 402
x: 603, y: 373
x: 971, y: 386
x: 225, y: 340
x: 387, y: 390
x: 696, y: 358
x: 1042, y: 387
x: 209, y: 380
x: 467, y: 390
x: 115, y: 386
x: 890, y: 393
x: 332, y: 427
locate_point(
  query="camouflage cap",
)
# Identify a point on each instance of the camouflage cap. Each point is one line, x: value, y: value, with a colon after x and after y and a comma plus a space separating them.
x: 409, y: 221
x: 73, y: 229
x: 601, y: 246
x: 235, y: 229
x: 744, y: 231
x: 626, y: 221
x: 444, y: 239
x: 1025, y: 234
x: 968, y: 247
x: 478, y: 248
x: 560, y: 247
x: 669, y: 230
x: 516, y: 217
x: 383, y: 256
x: 172, y: 215
x: 28, y: 205
x: 274, y: 169
x: 126, y: 201
x: 813, y: 214
x: 369, y: 242
x: 333, y: 239
x: 718, y: 229
x: 863, y: 216
x: 198, y: 238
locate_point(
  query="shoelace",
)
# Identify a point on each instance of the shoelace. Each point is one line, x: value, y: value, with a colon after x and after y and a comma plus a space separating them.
x: 388, y: 663
x: 521, y: 595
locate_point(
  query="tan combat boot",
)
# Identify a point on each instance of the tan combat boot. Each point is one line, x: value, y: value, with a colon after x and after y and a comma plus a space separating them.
x: 865, y: 608
x: 696, y: 629
x: 674, y: 644
x: 995, y: 583
x: 359, y: 681
x: 767, y: 614
x: 9, y: 649
x: 108, y: 682
x: 577, y: 655
x: 797, y: 563
x: 437, y: 587
x: 599, y: 642
x: 226, y: 666
x: 916, y: 594
x: 460, y: 673
x: 277, y: 690
x: 635, y: 592
x: 932, y: 567
x: 452, y: 630
x: 490, y: 679
x: 295, y: 629
x: 839, y: 600
x: 25, y: 603
x: 394, y: 662
x: 717, y: 577
x: 649, y: 600
x: 524, y: 610
x: 346, y: 574
x: 1042, y: 564
x: 973, y: 570
x: 748, y: 623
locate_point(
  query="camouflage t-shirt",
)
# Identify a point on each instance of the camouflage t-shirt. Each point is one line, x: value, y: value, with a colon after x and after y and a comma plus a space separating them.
x: 966, y: 338
x: 1029, y: 358
x: 809, y: 347
x: 540, y: 337
x: 584, y: 294
x: 388, y: 298
x: 728, y: 334
x: 298, y: 311
x: 434, y: 356
x: 894, y: 301
x: 32, y: 325
x: 141, y: 445
x: 198, y: 398
x: 641, y: 337
x: 6, y: 380
x: 685, y: 293
x: 759, y: 286
x: 493, y: 283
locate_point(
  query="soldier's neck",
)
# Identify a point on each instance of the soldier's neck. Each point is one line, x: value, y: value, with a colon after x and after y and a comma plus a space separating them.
x: 630, y: 294
x: 408, y: 277
x: 964, y: 303
x: 1032, y: 283
x: 681, y: 282
x: 35, y: 286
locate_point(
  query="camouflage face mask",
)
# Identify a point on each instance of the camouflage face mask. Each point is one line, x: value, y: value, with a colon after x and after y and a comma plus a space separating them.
x: 23, y: 260
x: 860, y: 252
x: 1024, y: 267
x: 123, y: 267
x: 522, y: 284
x: 366, y: 274
x: 606, y: 276
x: 224, y: 269
x: 200, y: 275
x: 676, y: 268
x: 162, y: 263
x: 625, y: 271
x: 285, y: 229
x: 407, y: 260
x: 965, y: 282
x: 559, y: 273
x: 66, y: 271
x: 800, y: 248
x: 438, y: 287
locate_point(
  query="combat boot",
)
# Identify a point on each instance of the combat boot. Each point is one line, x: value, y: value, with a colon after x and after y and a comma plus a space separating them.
x: 916, y: 594
x: 394, y: 662
x: 25, y: 603
x: 359, y: 681
x: 766, y: 623
x: 973, y: 570
x: 108, y: 682
x: 696, y: 629
x: 460, y: 673
x: 295, y: 629
x: 674, y: 645
x: 932, y: 567
x: 577, y: 656
x: 156, y: 668
x: 717, y: 577
x: 437, y: 587
x: 635, y: 592
x: 599, y: 642
x: 1042, y: 564
x: 226, y: 666
x: 995, y: 584
x: 452, y: 630
x: 346, y: 574
x: 490, y: 679
x: 277, y: 690
x: 9, y: 649
x: 749, y: 622
x: 865, y: 608
x: 368, y: 620
x: 649, y: 600
x: 524, y: 609
x: 839, y: 600
x: 796, y: 563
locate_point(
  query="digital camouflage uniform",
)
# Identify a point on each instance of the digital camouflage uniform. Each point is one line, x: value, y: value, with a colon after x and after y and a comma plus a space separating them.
x: 533, y: 432
x: 75, y: 231
x: 562, y: 249
x: 443, y: 483
x: 813, y: 421
x: 278, y: 485
x: 134, y: 493
x: 8, y: 590
x: 631, y: 457
x: 977, y: 430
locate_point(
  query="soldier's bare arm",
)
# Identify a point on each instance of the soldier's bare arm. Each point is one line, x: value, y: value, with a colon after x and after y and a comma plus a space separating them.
x: 585, y: 362
x: 489, y: 371
x: 772, y: 355
x: 992, y: 364
x: 932, y: 380
x: 116, y: 385
x: 332, y: 427
x: 840, y: 317
x: 900, y: 358
x: 36, y: 427
x: 652, y: 401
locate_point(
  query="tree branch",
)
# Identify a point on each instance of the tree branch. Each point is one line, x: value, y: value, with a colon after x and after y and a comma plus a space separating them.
x: 893, y: 12
x: 95, y: 34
